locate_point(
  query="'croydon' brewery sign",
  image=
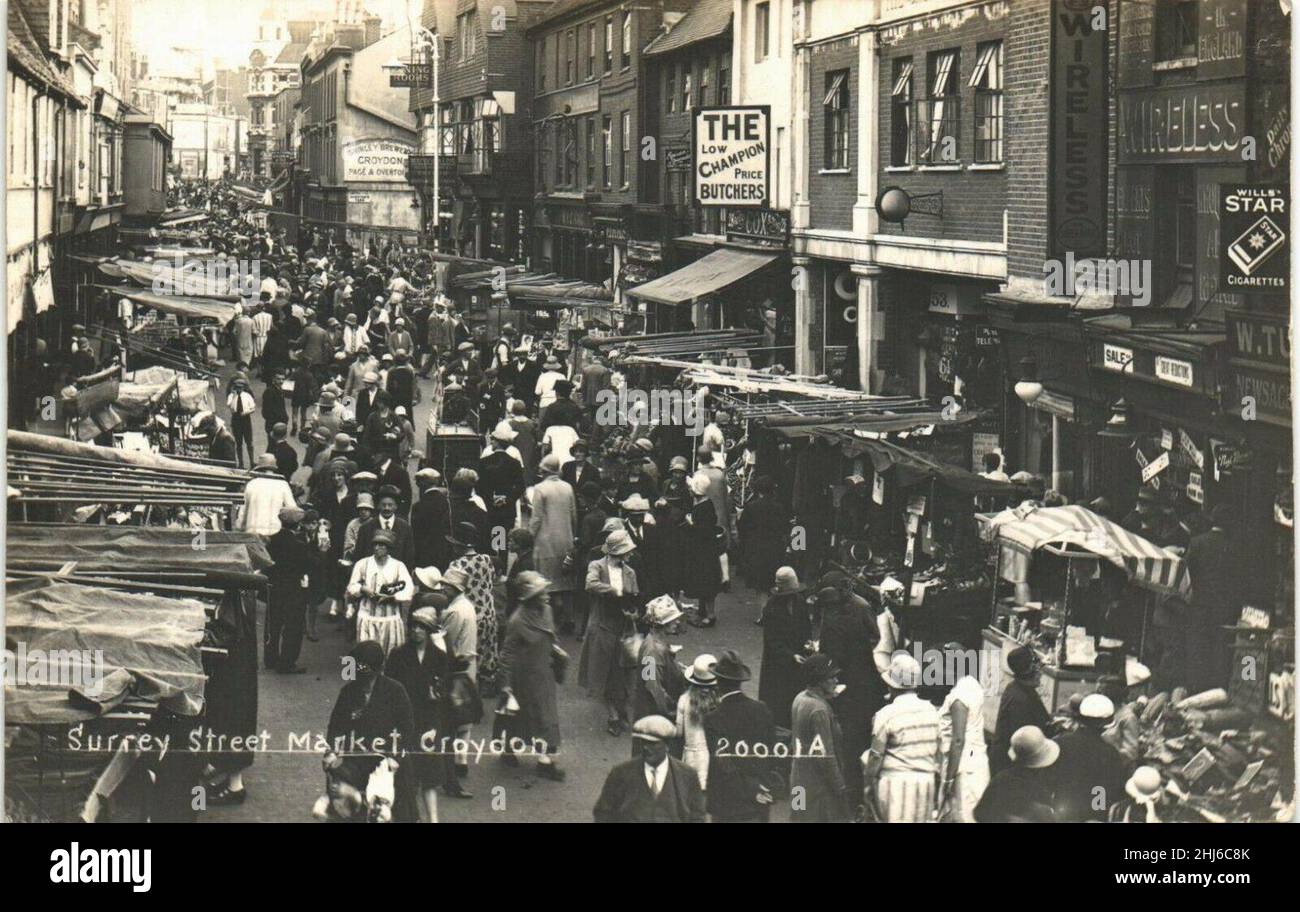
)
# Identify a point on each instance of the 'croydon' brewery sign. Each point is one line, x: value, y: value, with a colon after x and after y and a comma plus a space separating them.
x: 732, y: 151
x: 376, y: 160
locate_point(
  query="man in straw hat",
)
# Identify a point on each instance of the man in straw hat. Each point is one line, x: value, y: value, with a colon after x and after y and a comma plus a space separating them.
x: 901, y: 771
x: 654, y: 787
x: 817, y: 774
x: 740, y: 789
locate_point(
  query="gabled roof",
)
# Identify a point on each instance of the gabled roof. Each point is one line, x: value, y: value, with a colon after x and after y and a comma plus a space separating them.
x: 25, y: 54
x: 706, y: 19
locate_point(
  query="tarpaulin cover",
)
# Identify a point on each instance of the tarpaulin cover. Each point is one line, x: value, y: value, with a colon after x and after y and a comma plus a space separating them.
x: 27, y: 442
x: 909, y: 467
x: 209, y: 308
x: 149, y: 647
x: 163, y: 273
x: 1146, y: 564
x: 193, y: 395
x: 103, y: 550
x: 706, y: 275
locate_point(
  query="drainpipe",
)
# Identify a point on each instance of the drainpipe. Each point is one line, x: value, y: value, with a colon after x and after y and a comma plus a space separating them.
x: 36, y: 196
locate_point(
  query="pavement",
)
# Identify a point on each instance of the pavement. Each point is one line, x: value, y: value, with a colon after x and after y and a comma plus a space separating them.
x: 284, y: 782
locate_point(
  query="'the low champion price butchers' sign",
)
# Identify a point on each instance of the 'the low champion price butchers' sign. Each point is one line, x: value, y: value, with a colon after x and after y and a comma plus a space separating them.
x: 732, y: 152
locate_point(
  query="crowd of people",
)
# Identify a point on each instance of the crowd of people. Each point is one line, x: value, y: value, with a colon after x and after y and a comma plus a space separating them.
x: 454, y: 592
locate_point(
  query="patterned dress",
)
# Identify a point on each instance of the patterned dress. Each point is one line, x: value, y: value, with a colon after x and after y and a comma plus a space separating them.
x: 482, y: 574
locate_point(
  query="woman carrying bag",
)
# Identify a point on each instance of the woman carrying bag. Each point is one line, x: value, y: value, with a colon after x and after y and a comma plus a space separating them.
x: 531, y: 665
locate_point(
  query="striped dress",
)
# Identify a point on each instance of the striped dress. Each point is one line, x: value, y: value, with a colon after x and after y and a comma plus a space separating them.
x: 909, y: 728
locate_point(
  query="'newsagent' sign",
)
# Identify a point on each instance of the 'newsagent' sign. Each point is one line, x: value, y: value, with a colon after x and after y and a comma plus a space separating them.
x: 732, y: 153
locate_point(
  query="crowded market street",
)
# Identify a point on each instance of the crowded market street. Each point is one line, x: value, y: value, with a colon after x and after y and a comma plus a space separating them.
x: 576, y: 412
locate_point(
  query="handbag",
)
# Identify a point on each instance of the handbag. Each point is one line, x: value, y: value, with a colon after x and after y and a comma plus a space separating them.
x: 559, y: 663
x: 466, y: 705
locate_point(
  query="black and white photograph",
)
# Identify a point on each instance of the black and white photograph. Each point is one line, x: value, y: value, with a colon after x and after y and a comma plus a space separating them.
x: 651, y: 411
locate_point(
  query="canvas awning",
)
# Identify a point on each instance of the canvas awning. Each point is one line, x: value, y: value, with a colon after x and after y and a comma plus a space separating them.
x: 207, y: 308
x: 102, y: 645
x: 706, y: 275
x: 1146, y: 564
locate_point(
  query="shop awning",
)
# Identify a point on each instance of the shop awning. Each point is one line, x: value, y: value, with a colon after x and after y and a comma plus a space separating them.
x: 111, y: 644
x: 1146, y: 564
x: 210, y: 308
x: 709, y: 274
x: 663, y: 349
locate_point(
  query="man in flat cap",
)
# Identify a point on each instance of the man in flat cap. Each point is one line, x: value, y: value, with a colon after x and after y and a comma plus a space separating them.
x: 654, y: 787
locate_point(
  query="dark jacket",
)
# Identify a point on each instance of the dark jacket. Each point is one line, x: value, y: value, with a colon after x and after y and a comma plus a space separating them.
x: 786, y: 628
x: 1019, y: 795
x: 286, y: 458
x: 1020, y: 706
x: 403, y: 547
x: 570, y: 473
x: 430, y: 525
x: 427, y: 686
x: 734, y: 780
x: 1090, y: 773
x: 373, y: 724
x: 626, y: 796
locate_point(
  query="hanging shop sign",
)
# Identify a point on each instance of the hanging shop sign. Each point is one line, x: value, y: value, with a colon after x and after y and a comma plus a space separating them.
x: 1117, y: 358
x: 759, y: 227
x: 678, y: 158
x: 1155, y: 467
x: 1190, y: 448
x: 1195, y: 491
x: 1255, y: 251
x: 1144, y: 463
x: 1080, y: 120
x: 732, y: 154
x: 376, y: 160
x: 1173, y: 370
x: 1166, y: 439
x: 412, y: 76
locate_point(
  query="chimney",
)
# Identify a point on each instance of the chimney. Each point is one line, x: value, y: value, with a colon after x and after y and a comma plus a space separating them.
x: 372, y: 29
x: 350, y: 35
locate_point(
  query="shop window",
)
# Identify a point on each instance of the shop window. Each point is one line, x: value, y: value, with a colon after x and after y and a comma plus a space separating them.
x: 986, y: 79
x: 1177, y: 24
x: 835, y: 112
x: 940, y: 111
x: 606, y: 152
x: 900, y: 154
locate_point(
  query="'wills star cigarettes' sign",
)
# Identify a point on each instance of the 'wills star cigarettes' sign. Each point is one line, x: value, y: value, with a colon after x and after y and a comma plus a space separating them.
x: 1080, y: 115
x: 732, y: 152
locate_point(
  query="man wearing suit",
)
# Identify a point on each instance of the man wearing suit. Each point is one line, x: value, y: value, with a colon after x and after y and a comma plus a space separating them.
x: 500, y: 484
x: 393, y: 473
x: 366, y: 397
x: 740, y: 788
x: 654, y: 787
x: 578, y: 471
x: 403, y: 547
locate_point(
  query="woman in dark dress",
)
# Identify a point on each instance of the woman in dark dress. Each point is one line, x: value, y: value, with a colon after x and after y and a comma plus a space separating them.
x: 421, y: 665
x: 526, y: 675
x: 702, y: 542
x: 764, y: 530
x: 372, y: 710
x: 786, y: 629
x: 848, y: 640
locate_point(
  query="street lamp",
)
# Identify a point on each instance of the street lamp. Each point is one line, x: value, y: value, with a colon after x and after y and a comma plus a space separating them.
x: 1028, y: 387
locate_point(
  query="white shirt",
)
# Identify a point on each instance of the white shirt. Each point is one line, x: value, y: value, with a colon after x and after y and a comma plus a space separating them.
x: 545, y: 389
x: 971, y: 694
x: 269, y: 285
x: 655, y: 776
x: 561, y: 437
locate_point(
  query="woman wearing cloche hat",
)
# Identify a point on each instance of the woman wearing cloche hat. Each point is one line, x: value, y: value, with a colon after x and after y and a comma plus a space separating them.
x: 531, y: 665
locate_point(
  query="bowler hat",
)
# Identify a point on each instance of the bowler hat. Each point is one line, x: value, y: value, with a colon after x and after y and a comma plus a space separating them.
x: 730, y: 667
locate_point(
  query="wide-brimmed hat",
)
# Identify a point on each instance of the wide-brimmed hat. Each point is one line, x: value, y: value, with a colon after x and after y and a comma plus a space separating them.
x: 828, y: 597
x: 653, y: 728
x: 428, y: 576
x: 818, y: 668
x: 661, y: 611
x: 613, y: 524
x: 635, y: 503
x: 787, y: 582
x: 1032, y: 749
x: 730, y: 667
x: 463, y: 535
x: 504, y: 432
x: 266, y: 464
x: 370, y: 377
x: 426, y: 616
x: 618, y: 544
x: 550, y: 464
x: 1144, y: 784
x: 551, y: 365
x: 904, y: 672
x: 701, y: 672
x: 456, y: 578
x: 327, y: 398
x: 530, y: 584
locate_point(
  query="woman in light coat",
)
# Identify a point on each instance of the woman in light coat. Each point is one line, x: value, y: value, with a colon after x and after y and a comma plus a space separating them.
x: 612, y: 587
x: 554, y: 524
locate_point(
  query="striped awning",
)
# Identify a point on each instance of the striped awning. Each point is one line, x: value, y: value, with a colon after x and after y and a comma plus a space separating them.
x: 1146, y: 564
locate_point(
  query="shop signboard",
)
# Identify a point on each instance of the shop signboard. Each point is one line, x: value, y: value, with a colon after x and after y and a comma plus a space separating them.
x: 1254, y: 249
x: 1080, y: 123
x: 1191, y: 122
x: 1190, y: 448
x: 732, y: 153
x: 1117, y: 358
x: 1174, y: 370
x: 382, y: 160
x: 1195, y: 491
x: 1155, y: 466
x: 1267, y: 393
x: 761, y: 227
x: 677, y: 159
